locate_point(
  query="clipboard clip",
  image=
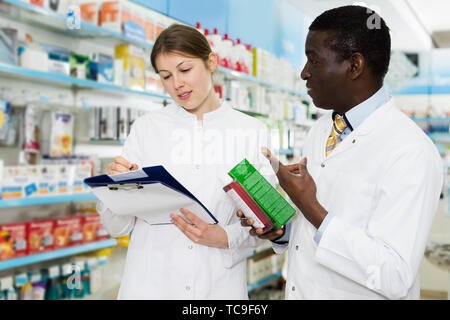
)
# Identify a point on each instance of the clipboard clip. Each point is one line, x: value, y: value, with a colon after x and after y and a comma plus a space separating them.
x: 125, y: 186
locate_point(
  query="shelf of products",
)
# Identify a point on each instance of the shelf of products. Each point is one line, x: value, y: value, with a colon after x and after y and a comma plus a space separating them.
x: 10, y: 203
x: 243, y: 76
x: 56, y: 254
x: 29, y: 74
x: 255, y: 285
x: 440, y: 137
x: 55, y: 21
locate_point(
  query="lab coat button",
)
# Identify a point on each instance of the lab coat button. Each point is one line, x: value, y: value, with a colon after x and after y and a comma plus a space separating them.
x: 353, y: 141
x: 296, y: 247
x: 293, y: 288
x: 190, y: 246
x: 322, y: 165
x: 188, y: 288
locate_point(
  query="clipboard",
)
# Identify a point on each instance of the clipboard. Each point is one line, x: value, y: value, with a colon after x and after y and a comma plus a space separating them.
x: 150, y: 193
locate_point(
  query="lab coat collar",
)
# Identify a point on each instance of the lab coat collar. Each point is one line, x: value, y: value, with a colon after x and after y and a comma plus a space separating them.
x: 209, y: 116
x: 366, y: 127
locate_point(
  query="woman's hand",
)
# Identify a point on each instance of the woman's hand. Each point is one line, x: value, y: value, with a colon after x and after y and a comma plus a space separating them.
x: 120, y: 165
x: 200, y: 232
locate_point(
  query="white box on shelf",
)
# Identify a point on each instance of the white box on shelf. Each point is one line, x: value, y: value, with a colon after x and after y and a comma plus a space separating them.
x: 33, y: 58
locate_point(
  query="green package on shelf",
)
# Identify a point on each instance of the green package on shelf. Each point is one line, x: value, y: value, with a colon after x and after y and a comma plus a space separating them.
x: 266, y: 196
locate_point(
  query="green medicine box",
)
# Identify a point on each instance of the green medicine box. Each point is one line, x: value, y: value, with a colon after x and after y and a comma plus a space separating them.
x: 265, y: 195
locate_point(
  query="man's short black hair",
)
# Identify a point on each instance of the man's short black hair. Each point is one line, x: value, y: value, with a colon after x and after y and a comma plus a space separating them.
x: 357, y: 29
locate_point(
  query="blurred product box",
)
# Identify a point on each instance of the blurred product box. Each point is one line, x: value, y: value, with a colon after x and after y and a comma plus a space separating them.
x: 33, y: 57
x: 82, y: 171
x: 61, y: 137
x: 149, y: 26
x: 8, y: 46
x: 79, y: 66
x: 89, y: 11
x: 110, y: 16
x: 48, y: 180
x: 160, y: 26
x: 93, y: 229
x: 65, y: 179
x: 18, y: 182
x: 133, y: 66
x: 40, y: 236
x: 67, y: 232
x: 58, y: 59
x: 101, y: 68
x: 13, y: 240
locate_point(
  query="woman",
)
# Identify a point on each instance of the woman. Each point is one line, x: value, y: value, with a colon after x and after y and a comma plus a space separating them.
x: 198, y: 140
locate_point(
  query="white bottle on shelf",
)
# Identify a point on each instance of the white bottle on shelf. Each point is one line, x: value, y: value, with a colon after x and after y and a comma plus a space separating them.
x: 215, y: 41
x: 198, y: 26
x: 241, y: 57
x: 228, y: 50
x: 249, y: 58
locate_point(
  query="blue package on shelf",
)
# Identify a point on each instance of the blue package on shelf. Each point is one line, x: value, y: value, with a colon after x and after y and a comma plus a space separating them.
x: 101, y: 68
x: 133, y: 31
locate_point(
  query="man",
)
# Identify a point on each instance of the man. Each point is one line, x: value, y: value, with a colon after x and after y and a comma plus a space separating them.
x: 369, y: 183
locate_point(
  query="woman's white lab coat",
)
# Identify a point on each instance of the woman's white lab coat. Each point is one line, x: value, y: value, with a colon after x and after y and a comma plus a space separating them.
x: 162, y: 263
x: 382, y: 184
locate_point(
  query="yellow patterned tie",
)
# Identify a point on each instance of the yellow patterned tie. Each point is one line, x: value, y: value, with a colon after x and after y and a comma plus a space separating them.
x: 339, y: 126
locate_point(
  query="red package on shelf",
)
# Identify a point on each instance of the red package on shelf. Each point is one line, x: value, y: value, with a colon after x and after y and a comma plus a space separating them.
x: 13, y: 240
x: 67, y: 232
x: 40, y: 236
x: 93, y: 229
x: 248, y: 206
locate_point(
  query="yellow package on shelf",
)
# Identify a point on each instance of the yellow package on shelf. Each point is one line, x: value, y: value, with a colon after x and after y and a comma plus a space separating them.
x: 133, y: 65
x: 123, y: 241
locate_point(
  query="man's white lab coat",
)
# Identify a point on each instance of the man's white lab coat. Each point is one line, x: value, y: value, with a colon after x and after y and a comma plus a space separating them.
x: 162, y: 263
x: 382, y: 184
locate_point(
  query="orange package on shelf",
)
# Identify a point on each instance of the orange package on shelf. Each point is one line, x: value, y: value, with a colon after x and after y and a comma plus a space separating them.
x: 39, y: 3
x: 110, y: 15
x: 89, y: 12
x: 67, y: 232
x: 13, y: 240
x: 93, y: 229
x: 149, y: 28
x: 40, y: 236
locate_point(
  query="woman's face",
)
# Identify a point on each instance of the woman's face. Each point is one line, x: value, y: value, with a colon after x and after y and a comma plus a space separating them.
x: 187, y: 80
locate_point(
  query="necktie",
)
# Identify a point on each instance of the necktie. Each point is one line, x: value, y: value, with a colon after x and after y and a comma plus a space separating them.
x: 339, y: 126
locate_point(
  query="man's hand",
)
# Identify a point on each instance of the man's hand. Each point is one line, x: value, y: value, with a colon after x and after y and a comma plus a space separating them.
x: 200, y: 232
x: 269, y: 235
x: 300, y: 186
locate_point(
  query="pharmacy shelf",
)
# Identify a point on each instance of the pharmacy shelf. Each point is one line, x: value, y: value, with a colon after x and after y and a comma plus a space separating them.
x: 443, y: 137
x: 39, y: 200
x: 430, y: 119
x: 54, y: 21
x: 243, y: 76
x: 261, y: 282
x: 56, y: 254
x: 38, y: 76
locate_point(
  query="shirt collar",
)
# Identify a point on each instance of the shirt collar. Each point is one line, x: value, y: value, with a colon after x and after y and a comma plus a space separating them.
x: 209, y: 116
x: 356, y: 115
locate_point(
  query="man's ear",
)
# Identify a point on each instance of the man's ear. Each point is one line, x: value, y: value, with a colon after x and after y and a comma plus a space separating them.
x: 357, y: 65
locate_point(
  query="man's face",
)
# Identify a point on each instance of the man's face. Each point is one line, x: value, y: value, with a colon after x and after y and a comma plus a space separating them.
x: 325, y: 77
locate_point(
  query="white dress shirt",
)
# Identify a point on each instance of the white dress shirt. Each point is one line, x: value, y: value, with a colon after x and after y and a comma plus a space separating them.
x: 162, y: 263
